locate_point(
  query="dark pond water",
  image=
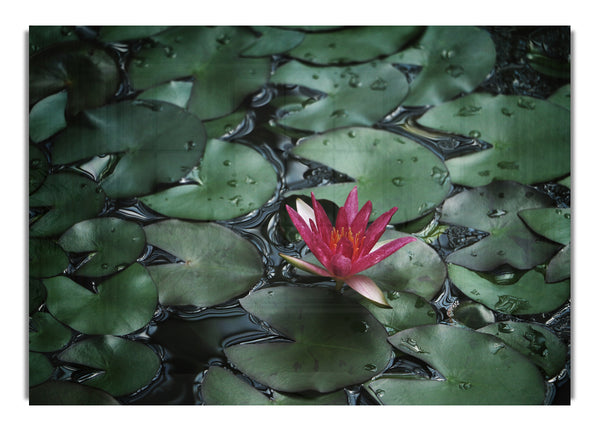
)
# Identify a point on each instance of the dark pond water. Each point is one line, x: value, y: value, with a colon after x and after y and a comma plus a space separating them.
x: 188, y: 339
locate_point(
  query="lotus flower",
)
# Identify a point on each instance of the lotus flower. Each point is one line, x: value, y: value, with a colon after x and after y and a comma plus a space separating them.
x: 349, y: 247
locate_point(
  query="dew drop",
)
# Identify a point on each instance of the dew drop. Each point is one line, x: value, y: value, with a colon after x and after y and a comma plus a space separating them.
x: 380, y: 393
x: 140, y: 62
x: 315, y: 76
x: 508, y: 165
x: 359, y: 327
x: 35, y: 163
x: 104, y: 266
x: 399, y: 161
x: 507, y: 112
x: 447, y: 54
x: 500, y: 253
x: 325, y: 142
x: 378, y: 85
x: 464, y: 386
x: 340, y: 113
x: 414, y: 159
x: 170, y: 52
x: 370, y: 367
x: 475, y: 134
x: 223, y: 39
x: 468, y: 111
x: 227, y: 162
x: 439, y: 175
x: 485, y: 173
x: 455, y: 70
x: 526, y: 104
x: 393, y: 294
x: 505, y: 328
x: 398, y: 181
x: 232, y: 183
x: 354, y: 81
x: 190, y: 145
x: 495, y: 213
x: 249, y: 180
x: 567, y: 216
x: 352, y: 134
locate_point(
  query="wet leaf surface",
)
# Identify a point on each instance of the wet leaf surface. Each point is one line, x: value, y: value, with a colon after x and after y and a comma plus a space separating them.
x: 68, y: 393
x: 46, y: 334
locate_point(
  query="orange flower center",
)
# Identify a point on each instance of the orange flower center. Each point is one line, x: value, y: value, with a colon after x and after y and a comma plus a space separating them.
x: 356, y: 241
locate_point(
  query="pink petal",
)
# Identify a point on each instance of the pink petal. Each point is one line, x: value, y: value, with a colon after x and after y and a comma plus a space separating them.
x: 313, y: 242
x: 351, y: 204
x: 375, y: 231
x: 359, y: 224
x: 341, y: 266
x: 305, y: 211
x: 367, y: 288
x: 323, y: 223
x: 341, y: 220
x: 306, y: 266
x: 381, y: 253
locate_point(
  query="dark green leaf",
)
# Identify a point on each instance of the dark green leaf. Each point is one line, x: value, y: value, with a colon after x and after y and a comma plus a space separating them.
x: 46, y: 334
x: 68, y: 393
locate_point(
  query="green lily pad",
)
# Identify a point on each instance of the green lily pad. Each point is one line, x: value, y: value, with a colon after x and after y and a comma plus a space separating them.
x: 46, y: 258
x: 122, y: 304
x: 231, y: 181
x: 565, y: 182
x: 562, y: 96
x: 122, y: 366
x: 73, y: 66
x: 551, y: 223
x: 42, y: 36
x: 559, y: 267
x: 354, y: 45
x: 68, y: 393
x: 389, y: 170
x: 219, y: 264
x: 357, y: 95
x: 47, y: 117
x: 473, y: 315
x: 37, y: 294
x: 506, y: 122
x: 110, y: 243
x: 529, y: 295
x: 69, y: 199
x: 494, y: 209
x: 46, y: 334
x: 534, y: 341
x: 454, y: 59
x: 210, y: 55
x: 272, y: 41
x: 477, y: 369
x: 225, y: 126
x: 114, y: 33
x: 157, y: 142
x: 336, y: 341
x: 38, y: 168
x: 40, y: 368
x: 222, y: 387
x: 175, y: 92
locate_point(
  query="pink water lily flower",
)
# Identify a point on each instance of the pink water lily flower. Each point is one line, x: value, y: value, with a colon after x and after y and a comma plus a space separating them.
x: 347, y: 248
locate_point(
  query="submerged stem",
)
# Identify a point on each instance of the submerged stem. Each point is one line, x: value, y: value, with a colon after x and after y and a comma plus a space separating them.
x: 338, y: 285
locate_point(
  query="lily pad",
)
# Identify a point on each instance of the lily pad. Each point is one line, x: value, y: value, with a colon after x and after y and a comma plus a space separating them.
x: 529, y: 295
x: 389, y: 170
x: 272, y: 41
x: 520, y: 128
x: 222, y: 387
x: 122, y: 303
x: 40, y: 368
x: 122, y: 366
x: 175, y: 92
x: 68, y: 199
x: 454, y: 60
x: 473, y: 315
x: 156, y: 142
x: 335, y: 342
x: 68, y: 393
x: 110, y: 244
x: 42, y: 36
x: 354, y: 45
x: 494, y: 209
x: 477, y: 369
x: 210, y: 55
x: 551, y: 223
x: 219, y: 264
x: 46, y: 258
x: 46, y: 334
x: 38, y: 168
x: 47, y: 117
x: 537, y: 343
x: 562, y: 97
x: 559, y: 267
x: 231, y: 181
x: 89, y: 74
x: 37, y: 294
x: 357, y: 95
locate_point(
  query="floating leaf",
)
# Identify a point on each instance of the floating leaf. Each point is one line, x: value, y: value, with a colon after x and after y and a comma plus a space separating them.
x: 494, y: 209
x: 121, y: 366
x: 489, y: 373
x: 506, y: 122
x: 219, y: 264
x: 529, y: 295
x: 562, y: 97
x: 111, y: 244
x: 389, y: 170
x: 336, y: 342
x: 534, y: 341
x: 358, y: 95
x: 175, y: 92
x: 40, y: 368
x: 222, y: 387
x: 473, y: 315
x: 454, y: 60
x: 559, y: 267
x: 68, y: 393
x: 232, y: 180
x: 37, y: 294
x: 354, y: 45
x: 156, y: 142
x: 41, y: 37
x: 46, y: 258
x: 122, y: 304
x: 222, y: 79
x: 272, y: 41
x: 47, y: 117
x: 38, y: 168
x: 551, y: 223
x: 46, y: 334
x: 69, y: 199
x: 89, y: 75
